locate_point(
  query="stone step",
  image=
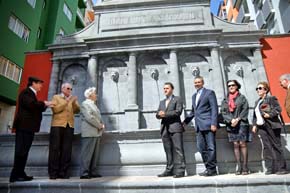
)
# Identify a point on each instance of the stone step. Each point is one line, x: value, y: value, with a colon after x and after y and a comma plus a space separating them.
x: 228, y: 183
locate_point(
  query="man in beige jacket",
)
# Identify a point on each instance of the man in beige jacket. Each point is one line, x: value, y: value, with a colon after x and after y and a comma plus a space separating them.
x: 285, y: 83
x: 61, y: 133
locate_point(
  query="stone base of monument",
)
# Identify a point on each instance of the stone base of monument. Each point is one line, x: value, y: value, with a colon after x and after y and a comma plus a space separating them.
x: 229, y: 183
x: 135, y: 153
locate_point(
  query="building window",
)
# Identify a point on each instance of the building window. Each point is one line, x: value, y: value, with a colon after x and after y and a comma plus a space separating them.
x: 43, y: 4
x: 67, y: 11
x: 32, y: 3
x: 18, y: 28
x: 38, y: 33
x: 9, y: 69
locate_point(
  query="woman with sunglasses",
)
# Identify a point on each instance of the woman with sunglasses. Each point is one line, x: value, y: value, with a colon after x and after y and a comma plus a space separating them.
x: 234, y: 110
x: 266, y: 120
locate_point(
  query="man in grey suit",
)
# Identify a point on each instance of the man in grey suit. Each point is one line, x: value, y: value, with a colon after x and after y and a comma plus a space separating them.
x: 169, y: 112
x: 205, y: 112
x: 92, y: 128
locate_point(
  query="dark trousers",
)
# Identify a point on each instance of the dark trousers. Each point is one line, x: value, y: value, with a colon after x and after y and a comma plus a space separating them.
x: 23, y: 142
x: 60, y: 148
x: 206, y: 145
x: 273, y: 151
x: 89, y: 156
x: 173, y: 145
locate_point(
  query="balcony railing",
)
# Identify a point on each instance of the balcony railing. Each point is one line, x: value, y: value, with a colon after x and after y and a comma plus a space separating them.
x: 260, y: 20
x: 268, y: 10
x: 242, y: 16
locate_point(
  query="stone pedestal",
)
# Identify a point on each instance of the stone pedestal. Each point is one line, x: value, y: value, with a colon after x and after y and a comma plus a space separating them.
x: 218, y: 73
x: 175, y: 72
x: 92, y: 72
x: 132, y: 110
x: 54, y: 79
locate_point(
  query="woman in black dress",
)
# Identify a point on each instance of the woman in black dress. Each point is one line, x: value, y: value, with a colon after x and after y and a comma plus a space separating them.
x: 234, y: 111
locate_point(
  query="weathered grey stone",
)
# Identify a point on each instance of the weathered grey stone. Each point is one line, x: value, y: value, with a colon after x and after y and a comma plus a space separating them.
x: 255, y: 183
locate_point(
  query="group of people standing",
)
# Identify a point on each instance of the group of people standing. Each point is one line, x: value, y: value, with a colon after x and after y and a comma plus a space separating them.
x: 233, y: 112
x: 64, y: 106
x: 267, y: 122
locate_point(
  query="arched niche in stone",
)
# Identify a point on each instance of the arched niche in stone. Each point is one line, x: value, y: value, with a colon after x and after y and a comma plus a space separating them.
x: 193, y: 64
x: 153, y: 73
x: 76, y: 75
x: 113, y: 91
x: 239, y: 67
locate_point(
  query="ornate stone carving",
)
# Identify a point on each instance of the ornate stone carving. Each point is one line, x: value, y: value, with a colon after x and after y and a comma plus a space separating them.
x: 239, y: 71
x: 74, y: 80
x: 195, y: 71
x: 155, y: 74
x: 115, y: 76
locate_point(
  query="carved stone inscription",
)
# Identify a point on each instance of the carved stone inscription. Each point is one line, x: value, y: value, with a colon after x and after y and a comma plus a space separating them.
x: 151, y: 18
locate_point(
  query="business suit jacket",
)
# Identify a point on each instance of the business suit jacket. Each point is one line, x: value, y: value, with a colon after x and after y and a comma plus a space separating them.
x: 205, y: 112
x: 63, y: 112
x: 29, y: 115
x: 271, y: 106
x: 171, y: 121
x: 91, y: 125
x: 287, y: 102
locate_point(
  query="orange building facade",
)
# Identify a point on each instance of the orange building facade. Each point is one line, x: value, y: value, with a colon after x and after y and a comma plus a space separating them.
x: 276, y: 57
x: 37, y: 64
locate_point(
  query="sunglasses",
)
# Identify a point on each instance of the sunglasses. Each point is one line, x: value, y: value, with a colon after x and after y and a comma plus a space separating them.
x: 231, y: 85
x: 260, y: 88
x: 68, y: 88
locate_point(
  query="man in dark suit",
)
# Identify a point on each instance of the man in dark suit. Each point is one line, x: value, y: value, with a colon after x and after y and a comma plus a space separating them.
x: 169, y: 112
x: 205, y: 112
x: 27, y: 122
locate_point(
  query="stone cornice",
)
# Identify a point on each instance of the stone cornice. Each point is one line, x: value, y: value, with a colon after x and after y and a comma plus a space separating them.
x: 137, y: 4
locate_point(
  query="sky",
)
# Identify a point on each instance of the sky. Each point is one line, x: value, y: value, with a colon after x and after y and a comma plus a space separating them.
x: 214, y: 6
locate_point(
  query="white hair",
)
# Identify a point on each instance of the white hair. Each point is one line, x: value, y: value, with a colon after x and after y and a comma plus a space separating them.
x: 89, y: 91
x: 285, y: 77
x: 65, y: 85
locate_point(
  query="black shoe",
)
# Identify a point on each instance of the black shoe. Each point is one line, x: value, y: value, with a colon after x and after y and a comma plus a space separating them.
x: 208, y: 173
x: 165, y: 174
x: 96, y: 176
x: 52, y: 177
x: 283, y: 172
x: 85, y: 177
x: 178, y: 175
x: 246, y: 171
x: 21, y: 179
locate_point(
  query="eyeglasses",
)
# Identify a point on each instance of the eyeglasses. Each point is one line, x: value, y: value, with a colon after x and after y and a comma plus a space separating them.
x: 260, y: 88
x: 68, y: 88
x: 231, y: 85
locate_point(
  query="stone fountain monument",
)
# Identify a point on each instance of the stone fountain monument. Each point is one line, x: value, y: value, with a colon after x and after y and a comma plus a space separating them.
x: 128, y: 52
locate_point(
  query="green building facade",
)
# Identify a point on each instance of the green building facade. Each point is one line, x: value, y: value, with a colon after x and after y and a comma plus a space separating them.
x: 28, y: 25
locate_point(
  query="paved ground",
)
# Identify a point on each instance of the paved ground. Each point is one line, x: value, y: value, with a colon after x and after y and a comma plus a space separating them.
x: 228, y: 183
